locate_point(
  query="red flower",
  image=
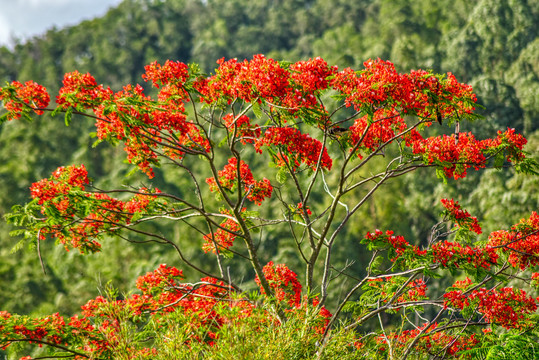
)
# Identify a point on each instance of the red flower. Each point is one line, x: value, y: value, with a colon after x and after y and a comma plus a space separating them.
x: 61, y: 182
x: 284, y: 282
x: 255, y: 191
x: 397, y: 243
x: 460, y: 216
x: 18, y: 98
x: 242, y: 128
x: 506, y: 306
x: 164, y: 275
x: 295, y: 145
x: 171, y: 71
x: 521, y: 243
x: 454, y: 156
x: 369, y: 134
x: 81, y: 90
x: 223, y: 237
x: 449, y: 253
x: 259, y: 78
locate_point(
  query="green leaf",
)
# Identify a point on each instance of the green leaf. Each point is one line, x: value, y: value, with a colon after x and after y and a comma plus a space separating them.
x: 3, y: 118
x: 377, y: 262
x: 68, y: 116
x: 56, y: 111
x: 136, y: 216
x: 256, y: 109
x: 97, y: 142
x: 132, y: 171
x: 251, y: 213
x: 226, y: 254
x: 440, y: 174
x: 18, y: 232
x: 26, y: 116
x: 223, y: 142
x: 282, y: 175
x: 17, y: 246
x: 499, y: 160
x: 62, y: 354
x: 350, y: 307
x: 527, y: 166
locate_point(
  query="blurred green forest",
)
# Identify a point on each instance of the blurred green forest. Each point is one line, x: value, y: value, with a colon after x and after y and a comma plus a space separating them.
x: 491, y: 44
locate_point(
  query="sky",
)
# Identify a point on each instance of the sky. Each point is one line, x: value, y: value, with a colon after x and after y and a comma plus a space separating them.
x: 25, y: 18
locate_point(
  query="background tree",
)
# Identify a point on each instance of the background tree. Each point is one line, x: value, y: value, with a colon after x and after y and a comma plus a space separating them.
x: 344, y: 32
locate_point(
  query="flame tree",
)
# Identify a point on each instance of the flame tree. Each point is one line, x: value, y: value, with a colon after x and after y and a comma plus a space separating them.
x: 333, y: 138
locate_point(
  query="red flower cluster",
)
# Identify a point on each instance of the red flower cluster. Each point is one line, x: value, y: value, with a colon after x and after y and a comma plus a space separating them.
x: 62, y: 181
x: 307, y: 79
x: 75, y: 217
x: 241, y: 128
x: 312, y: 75
x: 419, y: 92
x: 455, y: 156
x: 397, y: 244
x: 513, y: 143
x: 460, y: 216
x: 386, y: 287
x: 172, y: 95
x: 79, y: 233
x: 295, y: 148
x: 163, y: 276
x: 146, y: 128
x: 48, y: 328
x: 141, y: 154
x: 521, y: 243
x: 284, y: 283
x: 461, y: 95
x: 81, y: 91
x: 369, y: 134
x: 141, y: 202
x: 448, y: 253
x: 19, y: 98
x: 535, y: 280
x: 162, y: 291
x: 303, y: 211
x: 168, y: 294
x: 415, y: 291
x: 509, y: 141
x: 259, y: 78
x: 173, y: 98
x: 431, y: 341
x: 256, y: 191
x: 462, y: 284
x: 506, y: 306
x: 372, y: 86
x: 170, y: 72
x: 223, y: 237
x: 263, y: 79
x: 324, y: 315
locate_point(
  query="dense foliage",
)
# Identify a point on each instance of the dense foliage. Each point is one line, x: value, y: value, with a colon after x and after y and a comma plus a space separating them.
x: 334, y: 138
x: 497, y: 55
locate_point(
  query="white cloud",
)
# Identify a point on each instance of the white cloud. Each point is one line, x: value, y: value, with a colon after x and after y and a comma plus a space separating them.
x: 5, y: 29
x: 26, y: 18
x: 38, y: 3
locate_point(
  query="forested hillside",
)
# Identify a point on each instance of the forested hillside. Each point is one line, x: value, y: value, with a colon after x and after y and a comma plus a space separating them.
x: 491, y: 44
